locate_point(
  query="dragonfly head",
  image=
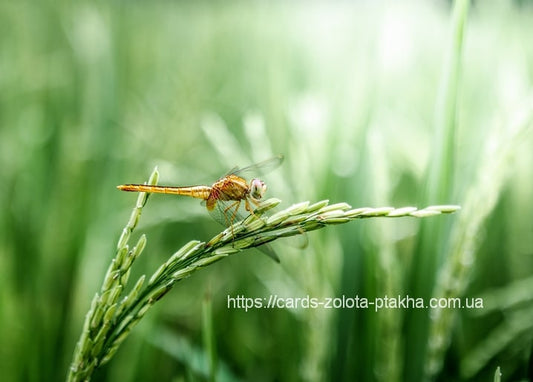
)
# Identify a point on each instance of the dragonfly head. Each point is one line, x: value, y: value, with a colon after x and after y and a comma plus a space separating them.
x: 257, y: 188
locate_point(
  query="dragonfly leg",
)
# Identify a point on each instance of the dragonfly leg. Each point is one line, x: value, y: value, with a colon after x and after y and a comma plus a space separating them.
x: 248, y: 207
x: 234, y: 207
x: 235, y: 211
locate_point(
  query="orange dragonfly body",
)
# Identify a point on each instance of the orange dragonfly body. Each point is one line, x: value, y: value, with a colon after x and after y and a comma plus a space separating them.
x: 224, y: 197
x: 230, y: 188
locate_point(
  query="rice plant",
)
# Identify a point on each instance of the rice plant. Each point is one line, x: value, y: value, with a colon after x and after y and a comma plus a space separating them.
x: 373, y: 103
x: 114, y: 314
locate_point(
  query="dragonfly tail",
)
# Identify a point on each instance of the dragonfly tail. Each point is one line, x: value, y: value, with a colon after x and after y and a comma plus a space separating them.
x: 199, y: 192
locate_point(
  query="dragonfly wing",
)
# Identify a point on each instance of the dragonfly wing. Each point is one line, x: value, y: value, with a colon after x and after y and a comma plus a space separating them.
x: 234, y: 170
x: 228, y: 212
x: 260, y: 168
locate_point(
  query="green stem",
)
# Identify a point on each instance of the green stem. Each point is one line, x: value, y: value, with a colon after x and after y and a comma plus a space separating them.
x: 109, y: 320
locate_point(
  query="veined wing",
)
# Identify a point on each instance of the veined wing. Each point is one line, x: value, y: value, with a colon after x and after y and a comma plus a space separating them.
x: 257, y: 169
x: 228, y: 212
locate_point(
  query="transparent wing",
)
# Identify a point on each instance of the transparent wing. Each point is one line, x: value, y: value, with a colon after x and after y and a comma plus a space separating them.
x: 230, y: 212
x: 227, y: 212
x: 258, y: 168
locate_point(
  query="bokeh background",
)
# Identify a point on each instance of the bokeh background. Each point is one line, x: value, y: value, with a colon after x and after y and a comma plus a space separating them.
x: 96, y: 94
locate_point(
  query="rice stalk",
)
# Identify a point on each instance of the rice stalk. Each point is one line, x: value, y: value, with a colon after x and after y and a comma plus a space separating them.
x: 110, y: 320
x: 439, y: 187
x: 479, y: 203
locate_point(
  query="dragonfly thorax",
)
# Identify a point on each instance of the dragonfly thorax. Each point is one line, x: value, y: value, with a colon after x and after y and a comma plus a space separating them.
x: 257, y: 188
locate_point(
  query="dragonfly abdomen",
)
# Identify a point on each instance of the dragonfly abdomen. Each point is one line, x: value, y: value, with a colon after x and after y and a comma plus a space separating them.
x: 198, y: 192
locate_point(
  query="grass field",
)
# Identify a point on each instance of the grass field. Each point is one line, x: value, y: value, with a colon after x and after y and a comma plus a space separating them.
x: 391, y: 104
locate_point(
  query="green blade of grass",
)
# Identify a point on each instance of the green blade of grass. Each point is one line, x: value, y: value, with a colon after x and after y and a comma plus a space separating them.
x: 438, y: 190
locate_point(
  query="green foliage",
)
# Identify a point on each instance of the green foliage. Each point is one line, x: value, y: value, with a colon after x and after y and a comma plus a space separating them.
x: 376, y: 105
x: 112, y: 316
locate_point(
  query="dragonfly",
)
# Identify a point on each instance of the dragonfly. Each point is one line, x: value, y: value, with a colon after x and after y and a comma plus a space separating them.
x: 225, y: 197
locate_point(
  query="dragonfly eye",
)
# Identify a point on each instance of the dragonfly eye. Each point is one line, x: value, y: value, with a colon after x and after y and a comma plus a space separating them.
x: 257, y: 188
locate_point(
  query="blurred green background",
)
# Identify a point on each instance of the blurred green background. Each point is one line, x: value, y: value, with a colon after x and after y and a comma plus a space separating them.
x: 96, y: 94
